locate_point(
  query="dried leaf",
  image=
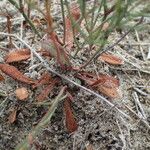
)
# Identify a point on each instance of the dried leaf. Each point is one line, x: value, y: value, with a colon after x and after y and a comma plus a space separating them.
x: 69, y: 37
x: 107, y: 81
x: 18, y: 55
x: 1, y: 78
x: 70, y: 121
x: 15, y: 73
x: 89, y: 78
x: 45, y: 92
x: 45, y: 79
x: 12, y: 116
x: 110, y: 92
x: 22, y: 93
x: 106, y: 84
x: 111, y: 59
x: 56, y: 50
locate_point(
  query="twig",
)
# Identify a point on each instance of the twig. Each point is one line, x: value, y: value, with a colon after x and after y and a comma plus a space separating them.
x: 141, y: 49
x: 148, y: 56
x: 136, y: 115
x: 140, y: 91
x: 136, y: 44
x: 99, y: 52
x: 136, y: 99
x: 45, y: 64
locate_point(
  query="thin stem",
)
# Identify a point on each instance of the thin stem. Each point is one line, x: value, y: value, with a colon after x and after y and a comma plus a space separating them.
x: 64, y: 22
x: 25, y: 17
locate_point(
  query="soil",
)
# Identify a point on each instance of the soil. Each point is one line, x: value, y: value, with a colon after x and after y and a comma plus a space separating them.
x: 99, y: 126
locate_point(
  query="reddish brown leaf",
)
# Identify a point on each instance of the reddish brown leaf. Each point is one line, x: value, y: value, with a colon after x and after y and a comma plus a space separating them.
x: 45, y: 92
x: 1, y: 78
x: 106, y: 84
x: 15, y: 73
x: 111, y: 59
x: 110, y: 92
x: 17, y: 55
x: 45, y: 79
x: 70, y: 121
x: 89, y: 78
x: 12, y: 116
x: 22, y: 93
x: 69, y: 38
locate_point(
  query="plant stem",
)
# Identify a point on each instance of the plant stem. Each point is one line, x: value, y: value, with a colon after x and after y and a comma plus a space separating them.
x: 64, y: 23
x: 25, y: 17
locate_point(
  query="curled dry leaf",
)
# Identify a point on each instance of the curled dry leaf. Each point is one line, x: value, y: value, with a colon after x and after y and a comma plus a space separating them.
x: 75, y: 14
x: 15, y: 73
x: 22, y: 93
x: 1, y: 78
x: 70, y: 121
x: 12, y: 116
x: 45, y: 92
x: 45, y: 79
x: 17, y: 55
x: 111, y: 59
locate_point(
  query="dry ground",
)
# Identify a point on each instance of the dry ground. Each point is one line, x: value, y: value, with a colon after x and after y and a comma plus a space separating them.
x: 99, y: 125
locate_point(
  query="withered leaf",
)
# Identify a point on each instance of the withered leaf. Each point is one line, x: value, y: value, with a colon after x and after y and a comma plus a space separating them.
x: 70, y: 121
x: 107, y: 81
x: 108, y: 85
x: 45, y: 92
x: 15, y: 73
x: 110, y: 92
x: 1, y: 78
x: 22, y: 93
x: 17, y: 55
x: 111, y: 59
x: 69, y: 37
x: 45, y: 79
x: 12, y: 116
